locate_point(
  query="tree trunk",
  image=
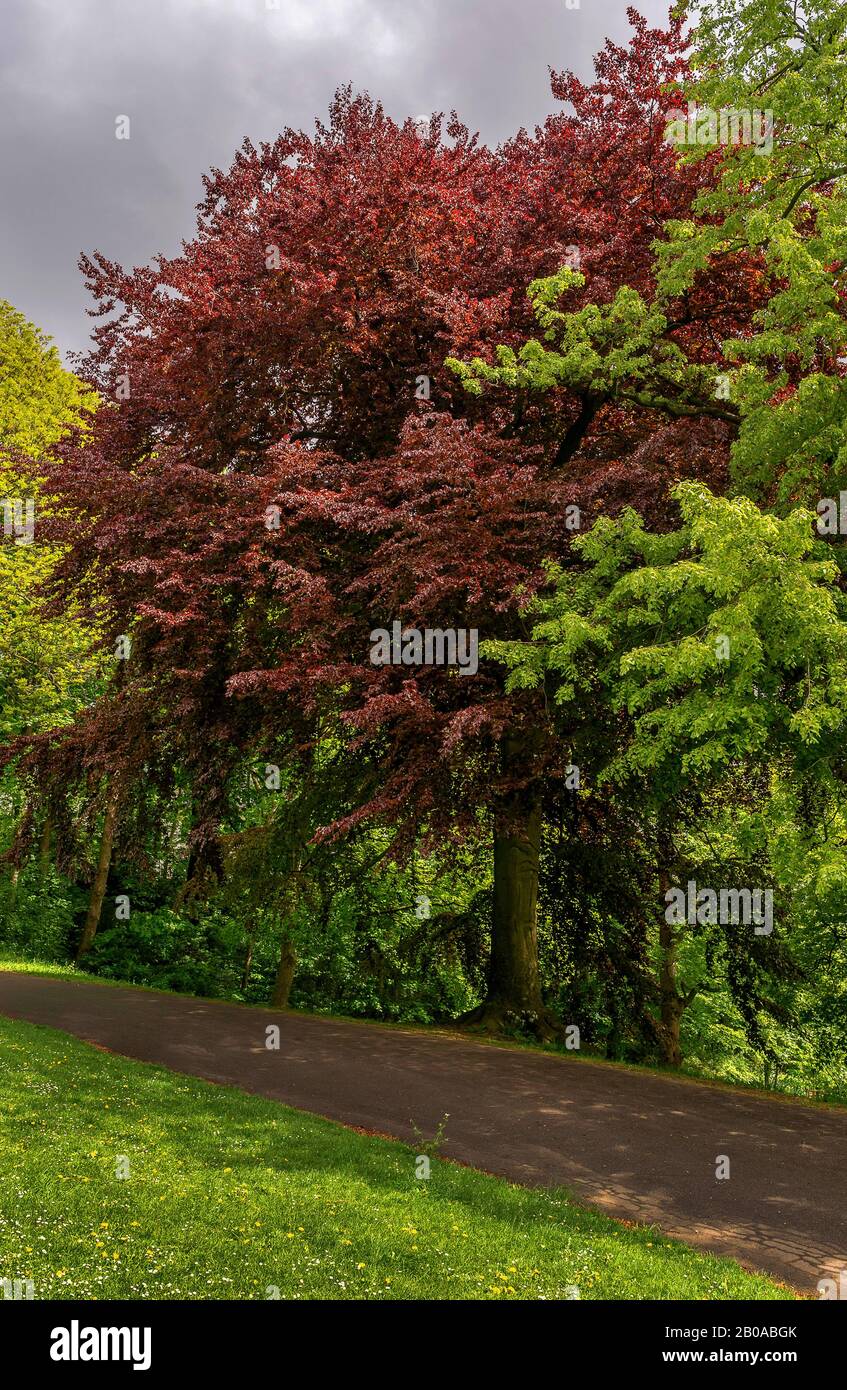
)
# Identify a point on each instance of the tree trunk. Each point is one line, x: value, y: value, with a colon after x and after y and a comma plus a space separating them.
x: 98, y: 887
x: 284, y: 975
x: 44, y: 845
x: 248, y: 963
x: 514, y: 987
x: 513, y: 972
x: 672, y: 1003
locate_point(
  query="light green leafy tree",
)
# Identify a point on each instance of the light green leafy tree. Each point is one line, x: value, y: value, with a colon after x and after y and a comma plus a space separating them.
x: 45, y: 666
x: 785, y: 201
x: 720, y: 653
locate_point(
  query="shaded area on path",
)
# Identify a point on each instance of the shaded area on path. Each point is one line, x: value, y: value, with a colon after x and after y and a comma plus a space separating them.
x: 639, y: 1146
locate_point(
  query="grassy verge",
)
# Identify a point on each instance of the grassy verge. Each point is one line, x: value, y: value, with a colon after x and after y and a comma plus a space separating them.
x: 231, y: 1196
x: 59, y: 969
x: 47, y: 967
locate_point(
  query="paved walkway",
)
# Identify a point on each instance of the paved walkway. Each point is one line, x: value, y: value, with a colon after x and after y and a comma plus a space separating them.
x: 635, y: 1145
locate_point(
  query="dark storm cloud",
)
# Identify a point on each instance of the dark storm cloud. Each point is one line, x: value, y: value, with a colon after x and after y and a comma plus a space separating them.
x: 196, y: 76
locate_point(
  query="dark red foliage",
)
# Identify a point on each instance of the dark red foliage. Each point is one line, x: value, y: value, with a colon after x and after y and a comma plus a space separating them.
x: 274, y: 362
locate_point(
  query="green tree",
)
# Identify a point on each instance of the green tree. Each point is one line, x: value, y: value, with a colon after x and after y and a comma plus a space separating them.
x: 721, y: 652
x: 785, y: 201
x: 45, y: 666
x: 47, y: 669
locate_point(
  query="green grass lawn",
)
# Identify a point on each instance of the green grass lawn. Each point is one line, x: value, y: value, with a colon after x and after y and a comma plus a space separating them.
x: 231, y: 1196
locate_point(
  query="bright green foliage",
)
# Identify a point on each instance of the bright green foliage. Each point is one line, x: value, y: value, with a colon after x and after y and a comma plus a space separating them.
x: 614, y: 352
x: 46, y: 667
x: 787, y: 205
x: 725, y: 640
x: 39, y: 400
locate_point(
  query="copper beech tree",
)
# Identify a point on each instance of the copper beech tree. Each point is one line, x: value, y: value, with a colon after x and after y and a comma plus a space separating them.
x: 284, y: 462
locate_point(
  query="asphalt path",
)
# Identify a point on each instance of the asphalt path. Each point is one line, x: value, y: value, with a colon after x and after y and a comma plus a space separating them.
x: 636, y: 1145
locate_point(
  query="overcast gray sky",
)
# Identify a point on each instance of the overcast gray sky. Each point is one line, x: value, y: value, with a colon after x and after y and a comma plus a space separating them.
x: 196, y: 76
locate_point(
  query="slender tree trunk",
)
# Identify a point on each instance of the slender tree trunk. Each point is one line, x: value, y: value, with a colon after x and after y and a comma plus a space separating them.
x: 44, y: 845
x: 284, y: 975
x: 614, y: 1038
x: 98, y: 887
x: 248, y: 963
x: 15, y: 870
x: 672, y: 1003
